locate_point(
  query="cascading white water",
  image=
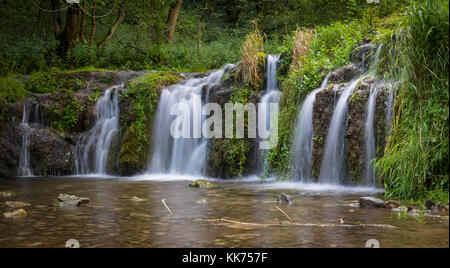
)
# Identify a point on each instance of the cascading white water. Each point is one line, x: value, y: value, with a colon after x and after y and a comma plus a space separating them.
x: 370, y: 152
x: 303, y: 137
x: 24, y: 164
x: 271, y: 95
x: 93, y: 146
x: 332, y: 160
x: 182, y: 155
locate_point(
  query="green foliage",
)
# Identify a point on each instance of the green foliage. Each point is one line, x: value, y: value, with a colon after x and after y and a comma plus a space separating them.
x: 12, y: 89
x: 43, y: 82
x: 415, y: 164
x: 81, y: 55
x: 64, y: 115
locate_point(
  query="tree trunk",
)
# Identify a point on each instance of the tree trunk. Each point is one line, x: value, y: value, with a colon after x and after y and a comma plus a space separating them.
x: 94, y: 24
x: 57, y: 26
x: 120, y: 17
x: 172, y: 20
x: 82, y: 24
x: 70, y: 34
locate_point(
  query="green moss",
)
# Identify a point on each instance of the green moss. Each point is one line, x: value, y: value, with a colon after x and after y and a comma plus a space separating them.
x: 64, y: 115
x: 42, y: 83
x: 143, y: 95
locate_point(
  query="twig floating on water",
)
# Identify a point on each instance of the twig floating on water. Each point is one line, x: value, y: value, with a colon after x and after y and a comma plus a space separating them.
x: 285, y: 214
x: 164, y: 202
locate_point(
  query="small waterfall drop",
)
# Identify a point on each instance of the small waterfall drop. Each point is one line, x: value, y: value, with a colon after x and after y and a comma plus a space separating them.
x: 182, y: 155
x: 93, y: 146
x: 332, y: 160
x: 370, y: 152
x: 303, y: 137
x: 24, y: 164
x: 271, y: 95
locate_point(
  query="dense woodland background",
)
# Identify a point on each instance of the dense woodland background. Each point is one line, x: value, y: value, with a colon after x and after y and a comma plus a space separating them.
x: 38, y: 37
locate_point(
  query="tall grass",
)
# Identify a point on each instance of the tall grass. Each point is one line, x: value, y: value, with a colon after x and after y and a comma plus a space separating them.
x: 252, y: 52
x: 301, y: 44
x: 415, y: 164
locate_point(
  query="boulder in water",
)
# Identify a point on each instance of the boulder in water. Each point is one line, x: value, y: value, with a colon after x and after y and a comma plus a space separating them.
x: 370, y: 202
x: 285, y: 198
x: 16, y: 204
x: 439, y: 208
x: 16, y: 214
x: 428, y: 204
x: 65, y: 200
x: 201, y: 183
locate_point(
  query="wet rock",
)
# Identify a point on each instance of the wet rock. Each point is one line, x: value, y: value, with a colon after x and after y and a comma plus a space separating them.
x: 16, y: 204
x: 65, y: 200
x: 370, y: 202
x: 428, y: 204
x: 439, y: 208
x: 19, y: 213
x: 391, y: 204
x: 201, y: 183
x: 363, y: 55
x: 285, y: 198
x: 344, y: 74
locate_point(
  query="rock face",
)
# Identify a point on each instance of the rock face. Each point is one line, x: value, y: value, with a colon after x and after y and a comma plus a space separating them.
x: 370, y: 202
x: 57, y: 119
x: 65, y: 200
x: 326, y: 99
x: 344, y: 74
x: 363, y: 55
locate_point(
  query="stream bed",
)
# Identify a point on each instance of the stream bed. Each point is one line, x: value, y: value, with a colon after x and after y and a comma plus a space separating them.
x: 113, y: 219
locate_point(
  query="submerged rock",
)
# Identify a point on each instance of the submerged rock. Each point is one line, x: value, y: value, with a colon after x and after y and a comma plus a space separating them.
x: 6, y: 194
x: 202, y: 183
x: 137, y: 199
x: 16, y: 204
x: 15, y: 214
x: 285, y: 199
x: 65, y: 200
x: 370, y: 202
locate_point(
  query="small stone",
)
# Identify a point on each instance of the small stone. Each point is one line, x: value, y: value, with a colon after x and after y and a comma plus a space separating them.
x: 370, y: 202
x: 428, y: 204
x: 16, y: 204
x: 202, y: 202
x: 137, y: 199
x: 391, y: 204
x: 16, y: 214
x: 65, y: 200
x: 285, y: 198
x: 201, y: 183
x: 6, y: 194
x: 139, y: 215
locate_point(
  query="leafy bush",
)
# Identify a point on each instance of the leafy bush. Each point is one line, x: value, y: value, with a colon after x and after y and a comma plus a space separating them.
x: 12, y: 89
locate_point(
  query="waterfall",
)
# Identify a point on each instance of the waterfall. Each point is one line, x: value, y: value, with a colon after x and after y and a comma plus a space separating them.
x: 303, y: 137
x: 370, y: 152
x: 24, y: 164
x: 93, y: 146
x: 332, y: 161
x: 271, y: 95
x: 182, y: 155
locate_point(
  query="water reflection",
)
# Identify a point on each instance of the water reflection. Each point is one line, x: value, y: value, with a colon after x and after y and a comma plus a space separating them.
x: 113, y: 219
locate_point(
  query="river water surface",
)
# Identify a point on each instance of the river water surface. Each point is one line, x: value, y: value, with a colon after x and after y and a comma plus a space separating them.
x: 112, y: 219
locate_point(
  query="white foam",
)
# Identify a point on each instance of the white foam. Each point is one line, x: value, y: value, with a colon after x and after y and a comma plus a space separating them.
x: 318, y: 187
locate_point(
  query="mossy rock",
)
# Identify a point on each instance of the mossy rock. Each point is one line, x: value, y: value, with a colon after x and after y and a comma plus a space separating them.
x: 201, y: 183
